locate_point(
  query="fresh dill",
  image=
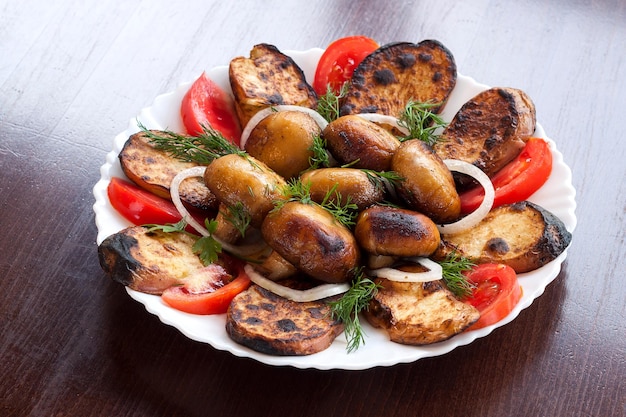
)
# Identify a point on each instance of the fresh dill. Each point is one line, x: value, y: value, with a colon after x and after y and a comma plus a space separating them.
x: 206, y: 247
x: 203, y: 149
x: 421, y: 121
x: 320, y: 157
x: 383, y: 179
x: 453, y: 267
x: 328, y: 104
x: 348, y: 307
x: 238, y: 217
x: 344, y: 212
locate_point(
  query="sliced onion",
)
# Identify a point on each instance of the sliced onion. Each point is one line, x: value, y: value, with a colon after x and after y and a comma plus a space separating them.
x: 385, y: 119
x: 477, y: 215
x: 258, y: 247
x: 300, y: 296
x: 262, y: 114
x: 175, y: 194
x: 434, y: 273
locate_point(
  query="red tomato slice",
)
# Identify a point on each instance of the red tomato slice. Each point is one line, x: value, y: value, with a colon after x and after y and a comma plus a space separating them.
x: 516, y: 181
x: 208, y: 300
x: 496, y: 293
x: 337, y: 63
x: 207, y: 104
x: 139, y: 206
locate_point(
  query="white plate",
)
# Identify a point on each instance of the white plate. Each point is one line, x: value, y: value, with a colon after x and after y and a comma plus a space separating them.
x: 557, y: 195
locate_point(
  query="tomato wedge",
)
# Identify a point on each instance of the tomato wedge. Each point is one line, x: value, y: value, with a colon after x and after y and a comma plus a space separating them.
x: 139, y: 206
x: 207, y: 104
x: 339, y: 60
x: 496, y: 293
x: 208, y: 299
x: 518, y: 180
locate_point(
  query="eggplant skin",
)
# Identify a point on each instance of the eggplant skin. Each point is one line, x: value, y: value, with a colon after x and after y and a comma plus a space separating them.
x: 489, y: 130
x: 148, y: 262
x: 523, y: 235
x: 387, y: 79
x: 382, y: 230
x: 267, y: 323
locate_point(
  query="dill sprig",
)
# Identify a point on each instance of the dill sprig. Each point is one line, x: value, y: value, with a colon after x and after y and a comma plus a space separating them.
x: 206, y: 247
x: 344, y: 212
x: 328, y: 105
x: 239, y: 217
x: 348, y: 307
x: 421, y: 121
x: 203, y: 149
x: 453, y: 267
x: 383, y: 179
x: 320, y: 158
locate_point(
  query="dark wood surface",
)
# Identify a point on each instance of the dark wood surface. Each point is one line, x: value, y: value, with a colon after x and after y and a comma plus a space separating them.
x: 72, y: 343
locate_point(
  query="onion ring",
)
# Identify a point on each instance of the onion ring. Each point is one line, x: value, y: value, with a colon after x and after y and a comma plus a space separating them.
x: 477, y: 215
x: 385, y: 119
x: 300, y: 296
x: 434, y: 273
x: 242, y: 251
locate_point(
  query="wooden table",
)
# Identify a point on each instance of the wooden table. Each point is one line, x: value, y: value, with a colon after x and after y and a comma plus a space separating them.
x: 72, y: 343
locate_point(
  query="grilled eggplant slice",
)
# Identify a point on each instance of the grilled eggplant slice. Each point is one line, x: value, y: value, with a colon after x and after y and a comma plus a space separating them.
x: 148, y: 262
x: 153, y: 169
x: 419, y: 313
x: 267, y: 78
x: 490, y: 130
x: 387, y: 79
x: 523, y: 235
x: 268, y: 323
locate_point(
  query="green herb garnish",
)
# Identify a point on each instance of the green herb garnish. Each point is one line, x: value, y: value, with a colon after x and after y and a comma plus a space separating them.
x: 238, y: 217
x: 348, y: 307
x: 202, y: 149
x: 453, y: 267
x: 206, y: 247
x: 421, y: 122
x: 320, y: 158
x: 328, y: 105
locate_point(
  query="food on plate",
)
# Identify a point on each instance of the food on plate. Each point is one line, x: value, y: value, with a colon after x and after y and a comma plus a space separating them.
x: 427, y: 184
x: 397, y: 73
x: 153, y: 170
x: 419, y: 313
x: 206, y: 104
x: 343, y: 185
x: 267, y: 78
x: 283, y: 141
x: 392, y: 231
x: 495, y: 292
x: 311, y: 238
x: 243, y: 180
x: 521, y: 235
x: 518, y: 180
x: 148, y: 261
x: 268, y: 323
x: 360, y: 143
x: 339, y: 60
x: 343, y: 214
x: 489, y: 130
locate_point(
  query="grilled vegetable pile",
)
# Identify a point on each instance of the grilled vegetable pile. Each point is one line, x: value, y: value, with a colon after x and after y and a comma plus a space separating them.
x: 298, y: 209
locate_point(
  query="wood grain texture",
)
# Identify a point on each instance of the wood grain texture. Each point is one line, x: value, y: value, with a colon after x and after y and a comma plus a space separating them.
x: 72, y: 74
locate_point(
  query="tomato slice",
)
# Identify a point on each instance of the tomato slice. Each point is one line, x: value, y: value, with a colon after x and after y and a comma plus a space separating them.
x: 339, y: 60
x: 206, y: 299
x: 139, y: 206
x: 496, y: 293
x: 207, y: 104
x: 518, y: 180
